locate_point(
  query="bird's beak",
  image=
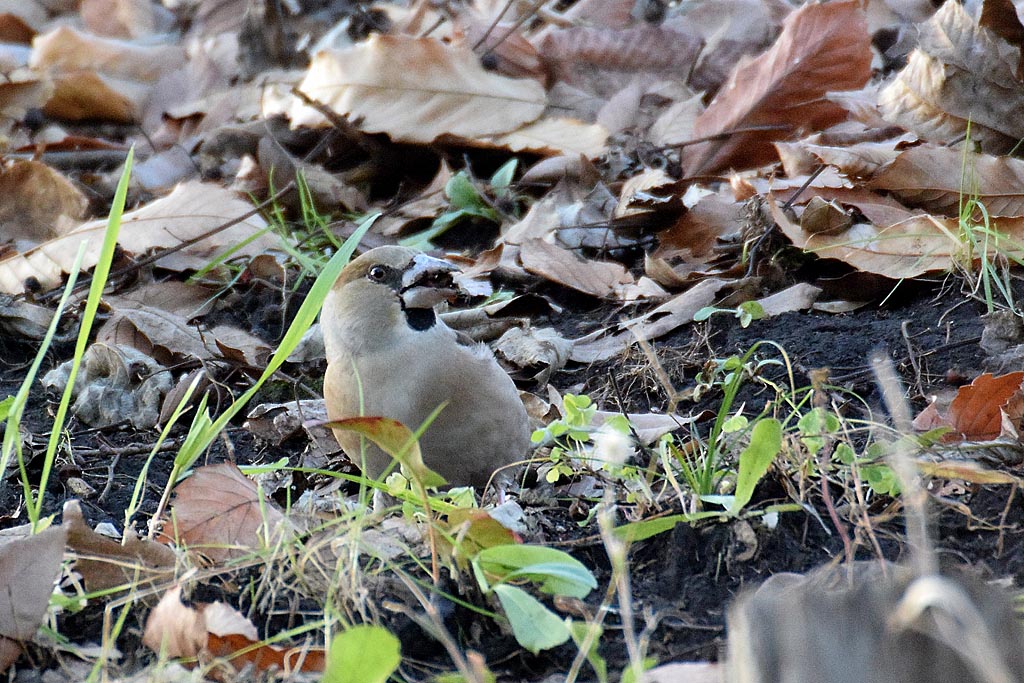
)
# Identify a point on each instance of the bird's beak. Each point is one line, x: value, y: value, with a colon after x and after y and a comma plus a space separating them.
x: 427, y: 282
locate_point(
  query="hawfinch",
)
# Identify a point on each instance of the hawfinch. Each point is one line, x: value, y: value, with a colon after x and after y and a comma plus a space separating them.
x: 389, y: 355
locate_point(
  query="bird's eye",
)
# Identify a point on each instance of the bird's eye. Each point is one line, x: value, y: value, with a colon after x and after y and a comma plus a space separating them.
x: 377, y: 273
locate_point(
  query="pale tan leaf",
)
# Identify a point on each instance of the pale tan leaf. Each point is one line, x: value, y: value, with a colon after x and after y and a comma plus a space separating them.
x: 104, y: 563
x: 675, y: 312
x: 29, y: 567
x: 602, y: 279
x: 821, y: 48
x: 174, y: 629
x: 675, y: 124
x: 221, y: 637
x: 798, y: 297
x: 912, y: 247
x: 33, y: 198
x: 221, y: 513
x: 416, y: 90
x: 554, y: 136
x: 940, y: 179
x: 860, y: 160
x: 98, y: 77
x: 191, y: 210
x: 638, y: 187
x: 960, y: 72
x: 913, y: 101
x: 966, y: 471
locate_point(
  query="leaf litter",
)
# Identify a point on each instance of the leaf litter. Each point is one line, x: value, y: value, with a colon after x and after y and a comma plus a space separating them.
x: 743, y: 162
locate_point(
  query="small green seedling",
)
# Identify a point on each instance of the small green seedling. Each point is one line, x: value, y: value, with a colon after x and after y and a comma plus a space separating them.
x: 746, y: 313
x: 467, y: 201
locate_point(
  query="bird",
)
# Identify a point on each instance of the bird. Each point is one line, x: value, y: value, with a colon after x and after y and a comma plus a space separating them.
x: 390, y: 355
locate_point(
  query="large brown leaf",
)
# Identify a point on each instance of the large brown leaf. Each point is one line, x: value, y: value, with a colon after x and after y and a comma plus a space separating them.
x: 960, y: 73
x: 416, y: 90
x: 940, y: 179
x: 911, y: 247
x: 821, y: 48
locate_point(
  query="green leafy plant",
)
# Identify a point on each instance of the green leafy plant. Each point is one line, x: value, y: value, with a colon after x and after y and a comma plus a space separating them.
x: 573, y: 435
x: 746, y: 313
x: 467, y: 201
x: 555, y: 572
x: 362, y: 654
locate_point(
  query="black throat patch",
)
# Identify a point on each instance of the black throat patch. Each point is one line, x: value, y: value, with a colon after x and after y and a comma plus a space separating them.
x: 420, y: 319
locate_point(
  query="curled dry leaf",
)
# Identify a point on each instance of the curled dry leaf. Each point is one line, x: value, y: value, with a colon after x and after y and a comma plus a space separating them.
x: 34, y: 198
x: 534, y: 352
x: 571, y: 53
x: 416, y: 90
x: 977, y: 411
x: 190, y: 211
x: 602, y: 279
x: 117, y: 384
x: 911, y: 247
x: 212, y: 631
x: 675, y: 312
x: 552, y: 136
x: 940, y: 179
x: 99, y: 78
x: 29, y: 567
x: 960, y: 73
x: 221, y: 513
x: 104, y: 563
x: 822, y: 47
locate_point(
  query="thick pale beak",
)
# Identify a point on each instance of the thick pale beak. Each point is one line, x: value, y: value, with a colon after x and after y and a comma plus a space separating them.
x: 427, y: 282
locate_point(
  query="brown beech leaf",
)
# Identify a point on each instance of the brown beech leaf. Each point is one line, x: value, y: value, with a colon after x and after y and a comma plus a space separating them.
x: 939, y: 179
x: 416, y: 90
x: 104, y: 563
x: 821, y: 48
x: 552, y: 136
x: 912, y: 247
x: 960, y: 73
x: 191, y: 210
x: 214, y: 631
x: 221, y: 513
x: 602, y: 279
x: 29, y: 567
x: 976, y: 413
x: 33, y: 198
x: 573, y: 54
x: 675, y: 312
x: 99, y: 78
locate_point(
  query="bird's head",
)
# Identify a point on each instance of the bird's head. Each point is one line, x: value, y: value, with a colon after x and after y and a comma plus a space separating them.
x: 384, y: 289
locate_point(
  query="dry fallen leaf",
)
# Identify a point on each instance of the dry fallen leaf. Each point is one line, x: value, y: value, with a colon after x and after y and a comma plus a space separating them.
x: 677, y: 311
x: 221, y: 513
x: 960, y: 75
x: 602, y: 279
x: 104, y: 563
x: 29, y: 567
x: 33, y: 198
x: 416, y: 90
x: 911, y: 247
x: 940, y: 179
x: 822, y: 47
x: 190, y: 211
x: 976, y: 413
x: 100, y: 78
x: 214, y: 631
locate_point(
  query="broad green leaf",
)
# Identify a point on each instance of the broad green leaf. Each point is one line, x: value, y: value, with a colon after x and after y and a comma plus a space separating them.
x: 395, y: 439
x: 5, y: 407
x: 756, y: 458
x: 638, y: 531
x: 535, y: 626
x: 557, y: 572
x: 362, y: 654
x: 502, y: 178
x: 460, y: 191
